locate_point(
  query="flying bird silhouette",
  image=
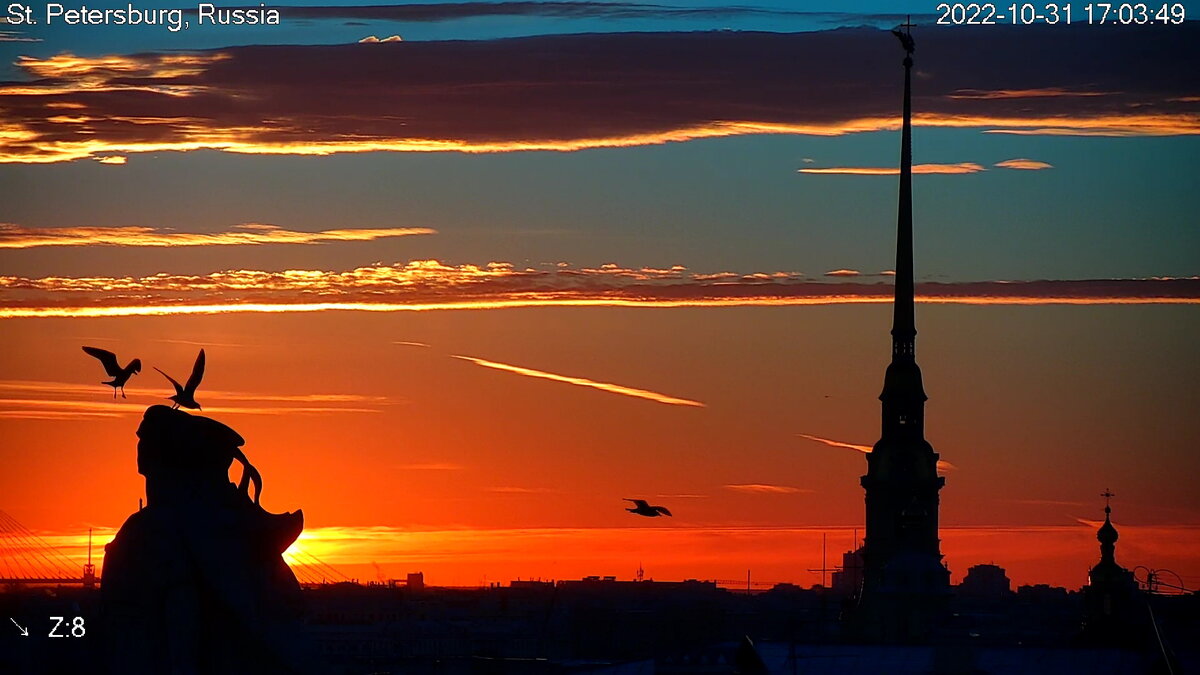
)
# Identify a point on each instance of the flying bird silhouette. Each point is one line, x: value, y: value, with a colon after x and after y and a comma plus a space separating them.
x: 118, y: 374
x: 641, y: 508
x: 185, y: 396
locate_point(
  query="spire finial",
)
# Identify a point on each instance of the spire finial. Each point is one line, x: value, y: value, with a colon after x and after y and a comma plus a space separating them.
x: 906, y: 39
x: 1108, y: 495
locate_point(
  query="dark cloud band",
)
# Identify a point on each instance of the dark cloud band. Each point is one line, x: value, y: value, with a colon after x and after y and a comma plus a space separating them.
x: 431, y: 285
x: 579, y: 91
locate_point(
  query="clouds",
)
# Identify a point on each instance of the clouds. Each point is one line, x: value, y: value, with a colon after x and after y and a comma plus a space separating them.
x: 1024, y: 164
x: 427, y: 285
x: 605, y: 90
x: 371, y: 39
x: 575, y: 9
x: 38, y: 400
x: 431, y: 466
x: 765, y: 488
x: 958, y: 168
x: 16, y: 236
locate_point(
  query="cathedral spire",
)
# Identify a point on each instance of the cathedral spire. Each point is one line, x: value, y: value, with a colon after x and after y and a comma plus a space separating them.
x: 904, y: 329
x: 905, y: 583
x: 903, y: 395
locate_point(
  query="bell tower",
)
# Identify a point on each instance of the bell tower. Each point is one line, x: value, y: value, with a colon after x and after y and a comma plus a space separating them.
x: 904, y: 581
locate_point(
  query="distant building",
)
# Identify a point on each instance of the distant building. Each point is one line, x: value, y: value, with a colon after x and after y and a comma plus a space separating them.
x: 1042, y: 594
x: 848, y: 580
x: 989, y: 582
x: 416, y: 581
x: 905, y: 584
x: 1110, y: 600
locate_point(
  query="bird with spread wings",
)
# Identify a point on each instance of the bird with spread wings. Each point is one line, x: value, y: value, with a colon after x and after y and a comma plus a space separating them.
x: 642, y: 508
x: 118, y: 374
x: 185, y: 396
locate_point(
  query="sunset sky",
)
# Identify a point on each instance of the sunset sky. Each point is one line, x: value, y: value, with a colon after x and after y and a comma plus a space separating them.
x: 464, y: 291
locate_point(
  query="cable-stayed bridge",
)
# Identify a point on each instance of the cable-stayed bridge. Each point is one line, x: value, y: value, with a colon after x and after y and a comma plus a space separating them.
x: 26, y: 558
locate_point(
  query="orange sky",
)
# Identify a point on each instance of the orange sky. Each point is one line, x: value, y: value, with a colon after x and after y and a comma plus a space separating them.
x: 472, y: 472
x: 461, y: 304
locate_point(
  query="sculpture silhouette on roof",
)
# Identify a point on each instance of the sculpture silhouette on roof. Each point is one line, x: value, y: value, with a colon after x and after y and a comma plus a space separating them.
x: 195, y: 582
x: 185, y: 396
x: 118, y: 374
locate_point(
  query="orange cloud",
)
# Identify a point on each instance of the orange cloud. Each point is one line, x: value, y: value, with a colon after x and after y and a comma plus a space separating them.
x: 92, y: 70
x: 54, y: 409
x: 427, y: 285
x: 842, y: 273
x: 1025, y: 164
x: 516, y: 490
x: 959, y: 168
x: 112, y: 159
x: 763, y: 488
x: 431, y: 466
x: 1053, y: 92
x: 28, y: 399
x: 583, y: 382
x: 77, y: 390
x: 15, y: 236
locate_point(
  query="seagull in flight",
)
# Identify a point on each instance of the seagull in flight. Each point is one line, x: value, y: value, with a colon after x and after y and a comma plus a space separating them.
x: 641, y: 508
x: 185, y: 396
x: 118, y: 374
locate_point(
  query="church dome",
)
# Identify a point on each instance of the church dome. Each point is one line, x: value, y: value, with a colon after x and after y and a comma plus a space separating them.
x: 1107, y: 534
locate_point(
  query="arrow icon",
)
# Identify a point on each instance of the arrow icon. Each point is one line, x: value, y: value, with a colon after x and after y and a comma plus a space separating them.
x: 24, y: 631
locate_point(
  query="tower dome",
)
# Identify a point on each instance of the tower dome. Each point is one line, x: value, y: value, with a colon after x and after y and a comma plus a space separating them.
x: 1107, y: 534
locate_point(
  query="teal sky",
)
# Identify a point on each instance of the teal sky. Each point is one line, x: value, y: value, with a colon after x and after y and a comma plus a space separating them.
x: 1108, y: 207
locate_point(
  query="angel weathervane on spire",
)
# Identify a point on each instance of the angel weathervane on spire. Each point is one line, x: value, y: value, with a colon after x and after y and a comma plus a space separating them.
x: 905, y: 36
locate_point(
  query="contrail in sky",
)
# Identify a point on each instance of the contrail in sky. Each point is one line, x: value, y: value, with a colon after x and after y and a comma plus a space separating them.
x: 942, y: 465
x: 583, y: 382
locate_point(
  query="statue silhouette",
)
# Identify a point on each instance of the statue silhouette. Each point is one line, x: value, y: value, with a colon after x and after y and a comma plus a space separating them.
x: 195, y: 582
